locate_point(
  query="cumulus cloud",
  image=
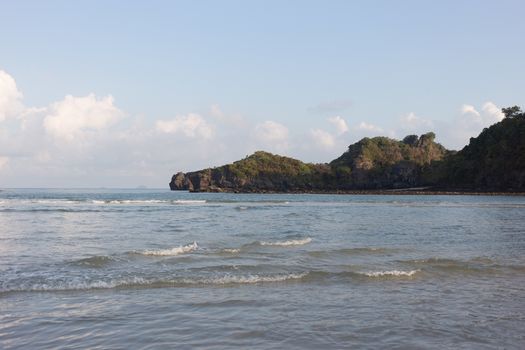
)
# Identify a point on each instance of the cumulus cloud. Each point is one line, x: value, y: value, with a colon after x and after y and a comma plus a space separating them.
x: 322, y: 138
x: 339, y: 123
x: 67, y: 119
x: 217, y: 113
x: 413, y: 123
x: 270, y: 135
x: 191, y: 125
x: 364, y: 126
x: 470, y: 121
x: 490, y: 113
x: 10, y: 97
x: 469, y: 109
x: 270, y: 131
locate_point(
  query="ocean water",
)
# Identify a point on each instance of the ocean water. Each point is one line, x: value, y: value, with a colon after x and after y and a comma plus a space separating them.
x: 154, y: 269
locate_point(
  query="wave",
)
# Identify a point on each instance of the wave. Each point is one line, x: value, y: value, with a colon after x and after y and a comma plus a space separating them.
x: 230, y: 250
x: 141, y: 282
x: 291, y: 242
x: 447, y: 266
x: 148, y: 201
x: 46, y: 210
x: 390, y: 273
x: 94, y: 261
x: 351, y: 251
x: 173, y: 251
x: 128, y: 201
x: 189, y: 201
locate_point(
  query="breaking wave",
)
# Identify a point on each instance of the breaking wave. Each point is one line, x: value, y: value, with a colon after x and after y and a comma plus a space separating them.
x: 148, y: 201
x: 390, y: 273
x: 138, y: 282
x: 231, y: 250
x: 189, y: 201
x: 170, y: 252
x: 287, y: 243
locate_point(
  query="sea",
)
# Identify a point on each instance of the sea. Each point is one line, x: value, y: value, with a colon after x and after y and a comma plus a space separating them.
x: 160, y: 269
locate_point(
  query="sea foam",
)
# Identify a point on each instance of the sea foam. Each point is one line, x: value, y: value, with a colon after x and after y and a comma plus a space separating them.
x: 173, y: 251
x: 390, y: 273
x: 141, y: 282
x: 189, y: 201
x: 291, y: 242
x: 231, y: 250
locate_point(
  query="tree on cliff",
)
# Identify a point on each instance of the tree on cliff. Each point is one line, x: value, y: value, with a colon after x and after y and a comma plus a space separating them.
x: 513, y: 112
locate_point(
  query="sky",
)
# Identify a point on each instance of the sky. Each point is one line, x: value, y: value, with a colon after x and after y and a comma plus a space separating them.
x: 127, y: 93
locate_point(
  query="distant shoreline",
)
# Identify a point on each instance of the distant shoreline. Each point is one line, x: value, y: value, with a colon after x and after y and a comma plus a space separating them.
x: 391, y: 192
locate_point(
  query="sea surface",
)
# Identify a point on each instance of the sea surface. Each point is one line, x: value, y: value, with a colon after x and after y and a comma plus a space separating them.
x: 154, y: 269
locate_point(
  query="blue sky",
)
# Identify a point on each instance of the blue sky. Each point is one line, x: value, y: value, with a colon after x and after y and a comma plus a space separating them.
x: 160, y: 86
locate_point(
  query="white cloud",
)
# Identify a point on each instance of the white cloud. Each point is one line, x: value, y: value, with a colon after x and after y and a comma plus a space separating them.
x: 322, y: 138
x: 339, y: 123
x: 270, y: 131
x: 10, y: 97
x: 469, y: 123
x: 270, y: 136
x: 364, y: 126
x: 217, y: 113
x: 191, y: 125
x: 67, y: 119
x: 413, y: 123
x: 492, y: 113
x: 469, y: 109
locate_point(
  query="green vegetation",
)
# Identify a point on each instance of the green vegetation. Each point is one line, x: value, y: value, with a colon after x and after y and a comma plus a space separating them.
x: 381, y: 162
x: 495, y: 160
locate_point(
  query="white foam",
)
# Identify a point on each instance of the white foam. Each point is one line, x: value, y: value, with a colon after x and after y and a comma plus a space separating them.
x: 231, y: 250
x: 75, y: 284
x: 173, y: 251
x: 54, y: 201
x: 288, y: 243
x: 189, y: 201
x: 79, y: 284
x: 129, y: 201
x: 394, y: 273
x: 246, y: 279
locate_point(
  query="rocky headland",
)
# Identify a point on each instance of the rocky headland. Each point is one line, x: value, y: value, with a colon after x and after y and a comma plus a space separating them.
x: 493, y: 162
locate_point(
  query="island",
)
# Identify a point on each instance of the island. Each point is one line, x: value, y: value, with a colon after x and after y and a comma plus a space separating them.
x: 493, y: 162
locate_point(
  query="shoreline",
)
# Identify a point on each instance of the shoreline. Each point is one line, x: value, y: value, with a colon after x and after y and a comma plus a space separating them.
x: 391, y: 192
